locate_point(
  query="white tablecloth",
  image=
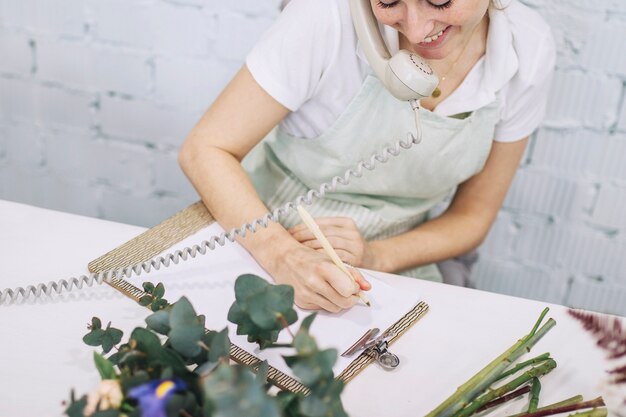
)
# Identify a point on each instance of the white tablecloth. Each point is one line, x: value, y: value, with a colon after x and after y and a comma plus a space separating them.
x: 42, y: 355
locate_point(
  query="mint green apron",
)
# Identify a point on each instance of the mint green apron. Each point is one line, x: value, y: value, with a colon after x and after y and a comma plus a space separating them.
x: 397, y: 195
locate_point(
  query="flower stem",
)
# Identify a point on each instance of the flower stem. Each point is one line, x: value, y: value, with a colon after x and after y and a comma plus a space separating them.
x: 534, y: 395
x: 596, y: 412
x: 597, y: 402
x: 504, y: 398
x: 483, y: 379
x: 523, y: 365
x: 573, y: 400
x: 527, y: 376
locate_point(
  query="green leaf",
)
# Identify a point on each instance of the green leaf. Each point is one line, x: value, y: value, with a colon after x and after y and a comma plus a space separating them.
x: 138, y: 378
x: 159, y: 304
x: 262, y: 371
x: 145, y: 300
x: 307, y: 321
x: 184, y: 339
x: 261, y: 310
x: 104, y: 366
x: 305, y: 344
x: 182, y: 313
x: 107, y: 343
x: 159, y: 322
x: 114, y: 334
x: 313, y: 368
x: 220, y: 346
x: 146, y: 341
x: 227, y: 385
x: 95, y: 323
x: 75, y: 409
x: 94, y: 337
x: 159, y: 290
x: 148, y: 287
x: 179, y: 402
x: 248, y: 285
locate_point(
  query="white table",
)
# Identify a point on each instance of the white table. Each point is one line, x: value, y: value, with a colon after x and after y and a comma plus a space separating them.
x: 42, y: 355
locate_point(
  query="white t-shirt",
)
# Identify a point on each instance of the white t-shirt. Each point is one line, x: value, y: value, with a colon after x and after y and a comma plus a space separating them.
x: 310, y: 62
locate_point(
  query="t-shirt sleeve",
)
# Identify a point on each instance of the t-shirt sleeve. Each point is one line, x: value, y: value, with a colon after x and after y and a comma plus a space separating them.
x: 289, y: 60
x: 526, y: 101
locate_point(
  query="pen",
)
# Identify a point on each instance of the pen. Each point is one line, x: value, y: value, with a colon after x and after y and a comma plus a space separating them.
x: 315, y: 229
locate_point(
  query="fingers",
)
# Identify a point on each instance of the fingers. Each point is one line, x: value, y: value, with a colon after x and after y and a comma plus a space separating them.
x: 342, y: 284
x: 360, y: 279
x: 340, y: 222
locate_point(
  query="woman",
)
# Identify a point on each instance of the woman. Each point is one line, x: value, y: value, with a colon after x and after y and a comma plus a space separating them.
x: 308, y: 75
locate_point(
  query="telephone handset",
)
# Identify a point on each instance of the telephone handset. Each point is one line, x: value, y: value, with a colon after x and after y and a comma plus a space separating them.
x: 406, y: 75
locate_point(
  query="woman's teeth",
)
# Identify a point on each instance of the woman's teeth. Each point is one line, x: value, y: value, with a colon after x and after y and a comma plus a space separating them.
x: 432, y: 38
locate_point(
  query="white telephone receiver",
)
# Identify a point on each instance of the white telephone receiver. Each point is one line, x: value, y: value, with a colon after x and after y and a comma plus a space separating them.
x: 406, y: 75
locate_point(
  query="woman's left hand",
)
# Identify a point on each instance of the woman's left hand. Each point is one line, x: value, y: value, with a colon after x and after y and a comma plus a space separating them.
x: 344, y: 236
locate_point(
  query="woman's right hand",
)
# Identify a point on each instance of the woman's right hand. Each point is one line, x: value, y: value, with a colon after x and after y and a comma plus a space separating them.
x: 318, y: 283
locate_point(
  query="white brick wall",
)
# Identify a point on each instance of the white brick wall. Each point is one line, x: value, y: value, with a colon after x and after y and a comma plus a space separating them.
x: 97, y: 95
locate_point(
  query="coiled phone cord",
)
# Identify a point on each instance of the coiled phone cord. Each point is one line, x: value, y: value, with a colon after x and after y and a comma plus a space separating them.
x: 9, y: 296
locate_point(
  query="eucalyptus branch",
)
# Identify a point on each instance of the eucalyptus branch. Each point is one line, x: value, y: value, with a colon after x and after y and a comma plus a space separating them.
x: 285, y: 324
x: 504, y: 398
x: 483, y: 379
x: 527, y: 376
x: 597, y: 402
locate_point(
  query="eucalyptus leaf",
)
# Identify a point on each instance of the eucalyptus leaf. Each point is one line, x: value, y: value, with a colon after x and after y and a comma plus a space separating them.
x: 75, y: 409
x: 104, y: 366
x: 179, y: 402
x: 313, y: 368
x: 145, y: 340
x: 107, y: 343
x: 307, y: 321
x: 262, y: 371
x: 248, y: 285
x: 145, y: 300
x: 159, y: 322
x: 148, y: 287
x: 220, y: 346
x: 114, y: 334
x: 182, y: 314
x: 185, y: 338
x: 159, y: 290
x: 138, y: 378
x: 227, y: 385
x: 312, y: 406
x: 94, y: 337
x: 159, y: 304
x: 305, y: 344
x: 95, y: 323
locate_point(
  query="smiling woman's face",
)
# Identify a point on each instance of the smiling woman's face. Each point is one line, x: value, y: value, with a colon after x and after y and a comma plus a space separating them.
x: 432, y: 28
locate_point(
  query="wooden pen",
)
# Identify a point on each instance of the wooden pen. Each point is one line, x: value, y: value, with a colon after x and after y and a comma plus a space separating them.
x: 330, y: 251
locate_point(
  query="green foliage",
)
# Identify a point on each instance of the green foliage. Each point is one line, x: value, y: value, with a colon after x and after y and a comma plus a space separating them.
x: 174, y: 345
x: 227, y: 385
x: 107, y: 338
x: 153, y: 297
x: 104, y: 366
x: 261, y: 310
x: 75, y: 408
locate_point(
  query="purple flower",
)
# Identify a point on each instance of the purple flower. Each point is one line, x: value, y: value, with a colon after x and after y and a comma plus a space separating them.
x: 153, y: 396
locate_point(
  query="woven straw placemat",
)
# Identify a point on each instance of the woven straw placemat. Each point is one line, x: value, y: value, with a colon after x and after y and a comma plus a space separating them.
x: 183, y: 224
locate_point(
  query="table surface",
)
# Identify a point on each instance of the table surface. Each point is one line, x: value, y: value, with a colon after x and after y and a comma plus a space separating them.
x: 43, y: 356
